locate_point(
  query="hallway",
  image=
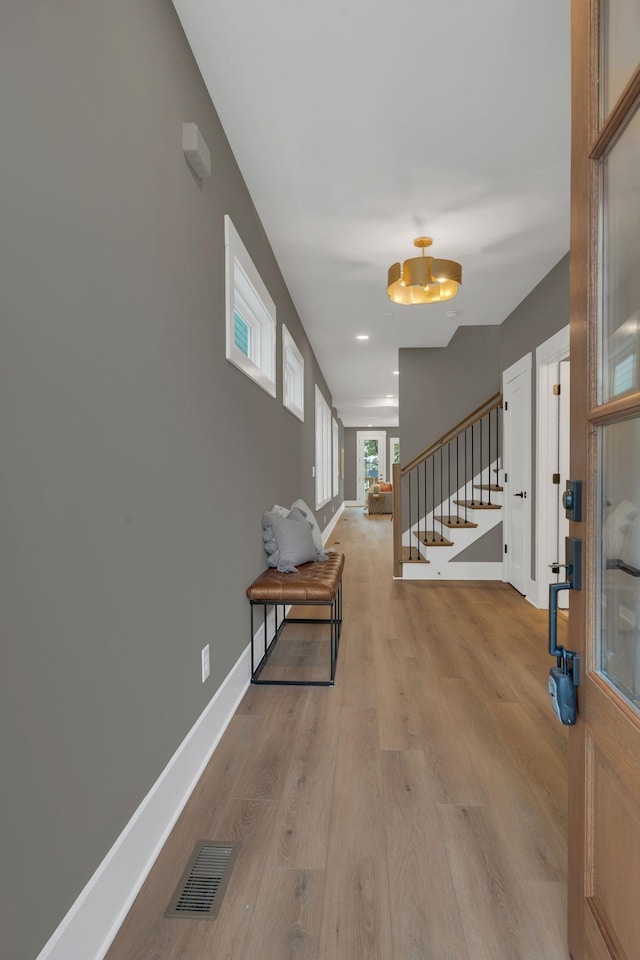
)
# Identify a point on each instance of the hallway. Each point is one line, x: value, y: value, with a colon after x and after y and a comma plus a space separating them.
x: 415, y: 811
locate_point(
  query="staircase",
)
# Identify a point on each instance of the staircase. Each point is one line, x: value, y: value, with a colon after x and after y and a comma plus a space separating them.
x: 449, y: 497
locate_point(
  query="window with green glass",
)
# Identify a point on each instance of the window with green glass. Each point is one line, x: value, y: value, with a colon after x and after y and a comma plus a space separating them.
x: 241, y: 334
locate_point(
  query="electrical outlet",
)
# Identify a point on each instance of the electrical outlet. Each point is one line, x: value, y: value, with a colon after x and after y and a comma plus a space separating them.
x: 206, y: 663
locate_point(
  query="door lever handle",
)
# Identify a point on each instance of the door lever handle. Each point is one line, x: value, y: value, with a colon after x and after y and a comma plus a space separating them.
x: 565, y: 676
x: 554, y: 590
x: 573, y: 566
x: 522, y: 494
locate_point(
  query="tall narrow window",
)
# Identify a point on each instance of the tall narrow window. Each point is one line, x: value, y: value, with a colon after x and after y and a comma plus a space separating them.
x: 323, y: 450
x: 292, y: 375
x: 336, y: 479
x: 251, y: 314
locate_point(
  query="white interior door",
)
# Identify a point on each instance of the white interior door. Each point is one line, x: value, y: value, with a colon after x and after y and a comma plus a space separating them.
x: 372, y: 461
x: 516, y: 391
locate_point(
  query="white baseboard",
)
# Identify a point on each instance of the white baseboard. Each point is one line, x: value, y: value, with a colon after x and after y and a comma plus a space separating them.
x: 483, y: 570
x: 326, y: 533
x: 353, y: 503
x: 88, y: 929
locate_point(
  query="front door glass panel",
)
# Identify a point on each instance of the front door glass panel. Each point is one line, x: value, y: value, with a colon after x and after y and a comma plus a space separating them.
x: 620, y: 284
x: 619, y: 59
x: 619, y: 588
x: 371, y: 464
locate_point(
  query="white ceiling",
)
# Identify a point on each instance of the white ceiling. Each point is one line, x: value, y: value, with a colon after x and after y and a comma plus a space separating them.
x: 359, y: 125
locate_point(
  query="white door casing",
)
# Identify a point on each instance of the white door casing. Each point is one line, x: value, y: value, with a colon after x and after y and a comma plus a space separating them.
x: 516, y: 390
x: 564, y: 427
x: 392, y: 444
x: 361, y: 436
x: 552, y: 443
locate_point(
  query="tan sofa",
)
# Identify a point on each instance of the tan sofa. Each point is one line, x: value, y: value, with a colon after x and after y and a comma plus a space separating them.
x: 379, y: 501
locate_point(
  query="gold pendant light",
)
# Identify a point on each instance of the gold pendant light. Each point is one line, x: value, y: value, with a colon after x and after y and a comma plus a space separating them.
x: 424, y: 279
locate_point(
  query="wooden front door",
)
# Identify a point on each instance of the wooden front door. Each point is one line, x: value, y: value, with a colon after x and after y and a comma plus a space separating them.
x: 604, y: 746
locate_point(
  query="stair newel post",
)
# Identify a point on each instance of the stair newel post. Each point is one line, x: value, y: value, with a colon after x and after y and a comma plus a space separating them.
x: 489, y: 464
x: 397, y: 519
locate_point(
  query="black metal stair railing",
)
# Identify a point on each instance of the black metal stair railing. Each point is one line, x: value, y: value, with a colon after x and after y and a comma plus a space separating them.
x: 439, y: 487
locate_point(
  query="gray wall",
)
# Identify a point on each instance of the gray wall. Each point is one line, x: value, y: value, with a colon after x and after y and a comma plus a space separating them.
x: 488, y: 548
x: 541, y: 314
x: 440, y: 386
x: 351, y: 452
x: 136, y: 460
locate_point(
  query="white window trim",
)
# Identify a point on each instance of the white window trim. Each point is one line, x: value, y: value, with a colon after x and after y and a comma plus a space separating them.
x: 323, y: 450
x: 292, y: 375
x: 392, y: 443
x: 336, y: 437
x: 246, y: 293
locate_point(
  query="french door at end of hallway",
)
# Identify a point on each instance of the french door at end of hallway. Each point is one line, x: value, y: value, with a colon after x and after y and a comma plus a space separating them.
x: 371, y: 460
x: 604, y: 745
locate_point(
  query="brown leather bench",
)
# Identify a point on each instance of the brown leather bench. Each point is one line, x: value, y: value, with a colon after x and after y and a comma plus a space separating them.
x: 315, y: 584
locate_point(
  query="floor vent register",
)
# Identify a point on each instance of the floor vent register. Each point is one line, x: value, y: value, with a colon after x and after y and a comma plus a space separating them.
x: 203, y: 884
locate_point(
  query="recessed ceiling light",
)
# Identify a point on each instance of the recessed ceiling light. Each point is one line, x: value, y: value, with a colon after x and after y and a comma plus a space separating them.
x: 396, y: 373
x: 389, y: 396
x: 369, y: 424
x: 362, y: 336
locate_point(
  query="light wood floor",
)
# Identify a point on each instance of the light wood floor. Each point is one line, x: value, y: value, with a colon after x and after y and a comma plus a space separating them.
x: 415, y: 811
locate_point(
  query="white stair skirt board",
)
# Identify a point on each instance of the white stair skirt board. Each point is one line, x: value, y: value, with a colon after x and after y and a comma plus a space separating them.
x: 481, y: 570
x: 88, y: 929
x: 440, y: 566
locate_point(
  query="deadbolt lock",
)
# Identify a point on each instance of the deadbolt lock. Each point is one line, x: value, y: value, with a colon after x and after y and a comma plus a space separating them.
x: 572, y: 500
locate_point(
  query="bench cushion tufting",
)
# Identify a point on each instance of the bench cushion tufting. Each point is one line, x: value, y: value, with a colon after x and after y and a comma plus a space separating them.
x: 314, y: 582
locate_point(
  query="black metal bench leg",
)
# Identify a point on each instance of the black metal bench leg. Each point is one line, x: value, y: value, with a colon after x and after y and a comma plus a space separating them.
x: 265, y: 608
x: 252, y: 651
x: 334, y: 622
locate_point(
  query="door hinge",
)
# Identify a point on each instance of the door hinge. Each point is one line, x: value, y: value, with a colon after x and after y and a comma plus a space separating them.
x: 505, y: 478
x: 555, y: 478
x: 505, y: 548
x: 556, y: 389
x: 506, y: 405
